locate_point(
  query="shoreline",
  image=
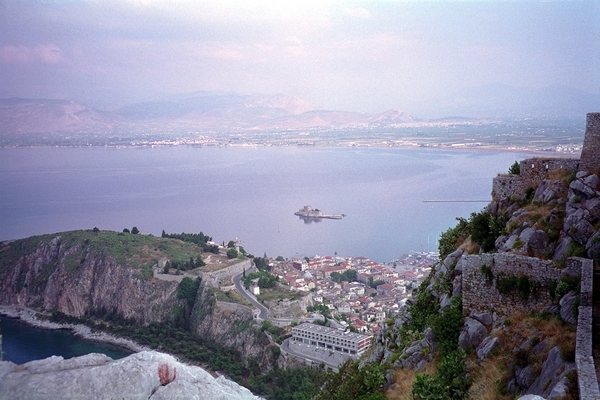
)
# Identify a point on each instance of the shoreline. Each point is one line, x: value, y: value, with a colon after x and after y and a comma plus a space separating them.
x: 28, y: 316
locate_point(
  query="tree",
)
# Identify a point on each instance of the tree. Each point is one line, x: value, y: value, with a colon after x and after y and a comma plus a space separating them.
x: 187, y: 290
x: 135, y: 230
x: 125, y: 230
x: 231, y: 244
x: 232, y: 253
x: 515, y: 169
x: 279, y: 258
x: 336, y: 276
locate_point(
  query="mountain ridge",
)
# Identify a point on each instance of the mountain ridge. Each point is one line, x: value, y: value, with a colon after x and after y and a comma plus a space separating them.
x: 201, y: 112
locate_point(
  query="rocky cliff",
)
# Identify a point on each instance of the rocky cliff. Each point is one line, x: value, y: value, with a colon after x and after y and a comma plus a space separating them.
x: 145, y: 375
x: 232, y: 325
x: 69, y: 273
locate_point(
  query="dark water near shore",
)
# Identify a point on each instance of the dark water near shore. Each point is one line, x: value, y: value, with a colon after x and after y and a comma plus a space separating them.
x: 21, y: 343
x: 251, y: 194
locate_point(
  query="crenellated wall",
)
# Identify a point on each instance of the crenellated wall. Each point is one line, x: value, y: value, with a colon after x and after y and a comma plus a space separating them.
x: 533, y: 172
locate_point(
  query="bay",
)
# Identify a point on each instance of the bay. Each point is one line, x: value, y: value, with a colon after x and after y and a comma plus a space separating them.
x: 22, y: 343
x: 251, y: 194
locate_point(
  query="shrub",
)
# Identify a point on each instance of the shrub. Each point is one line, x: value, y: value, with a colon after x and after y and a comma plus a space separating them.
x: 506, y: 284
x: 487, y: 272
x: 450, y: 382
x: 524, y: 287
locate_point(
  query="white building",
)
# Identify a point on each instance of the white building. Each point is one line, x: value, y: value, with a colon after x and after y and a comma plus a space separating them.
x: 329, y: 338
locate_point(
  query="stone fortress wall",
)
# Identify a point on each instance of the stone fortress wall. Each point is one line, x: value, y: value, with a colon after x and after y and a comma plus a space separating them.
x: 480, y: 293
x: 590, y: 153
x: 535, y: 170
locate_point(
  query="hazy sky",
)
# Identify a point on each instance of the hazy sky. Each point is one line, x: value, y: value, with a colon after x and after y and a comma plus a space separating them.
x: 352, y: 55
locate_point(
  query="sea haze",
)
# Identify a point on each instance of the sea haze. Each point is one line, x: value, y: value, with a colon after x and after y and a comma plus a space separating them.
x: 250, y: 194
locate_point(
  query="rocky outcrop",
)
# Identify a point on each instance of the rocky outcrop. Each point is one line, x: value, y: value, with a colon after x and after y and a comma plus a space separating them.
x: 58, y: 274
x: 96, y: 376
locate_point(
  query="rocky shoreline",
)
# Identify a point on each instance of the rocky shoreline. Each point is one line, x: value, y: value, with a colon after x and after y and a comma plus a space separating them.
x: 29, y: 316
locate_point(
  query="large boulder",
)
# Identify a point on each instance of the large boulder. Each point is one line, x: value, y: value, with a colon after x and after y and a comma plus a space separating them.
x: 472, y: 334
x: 145, y: 375
x: 554, y: 369
x: 581, y: 189
x: 567, y: 308
x: 593, y: 247
x: 525, y: 376
x: 562, y: 250
x: 487, y: 347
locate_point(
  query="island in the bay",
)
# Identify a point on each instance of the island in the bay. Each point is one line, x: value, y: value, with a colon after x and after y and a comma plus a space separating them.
x: 308, y: 212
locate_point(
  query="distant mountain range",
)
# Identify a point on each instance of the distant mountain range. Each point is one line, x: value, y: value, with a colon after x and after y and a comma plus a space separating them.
x: 200, y: 111
x: 214, y: 112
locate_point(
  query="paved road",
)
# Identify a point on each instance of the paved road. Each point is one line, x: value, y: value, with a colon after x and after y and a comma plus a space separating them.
x: 239, y: 285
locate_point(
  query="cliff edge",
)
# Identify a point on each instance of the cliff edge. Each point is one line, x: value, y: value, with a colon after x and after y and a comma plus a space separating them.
x: 145, y: 375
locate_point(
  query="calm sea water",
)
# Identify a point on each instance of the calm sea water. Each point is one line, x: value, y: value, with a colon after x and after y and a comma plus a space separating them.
x: 250, y: 194
x: 22, y: 343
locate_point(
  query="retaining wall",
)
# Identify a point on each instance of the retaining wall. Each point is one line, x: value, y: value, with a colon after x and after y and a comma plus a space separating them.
x: 480, y: 293
x: 213, y: 278
x: 584, y: 360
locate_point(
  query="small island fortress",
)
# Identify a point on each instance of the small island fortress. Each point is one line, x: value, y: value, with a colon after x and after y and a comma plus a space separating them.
x: 308, y: 212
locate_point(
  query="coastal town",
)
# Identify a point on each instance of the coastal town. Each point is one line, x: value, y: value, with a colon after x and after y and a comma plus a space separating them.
x: 355, y: 291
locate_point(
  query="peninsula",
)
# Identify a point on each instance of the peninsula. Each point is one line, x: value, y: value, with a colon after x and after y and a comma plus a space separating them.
x: 308, y: 212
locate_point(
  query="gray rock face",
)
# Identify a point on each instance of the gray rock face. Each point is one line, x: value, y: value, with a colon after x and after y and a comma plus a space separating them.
x: 561, y: 251
x: 538, y: 240
x: 487, y: 347
x: 46, y: 277
x: 486, y: 318
x: 472, y: 334
x: 581, y: 189
x: 549, y: 378
x: 96, y: 376
x: 593, y: 246
x: 525, y: 377
x: 592, y: 181
x: 451, y: 260
x: 526, y: 234
x: 567, y: 303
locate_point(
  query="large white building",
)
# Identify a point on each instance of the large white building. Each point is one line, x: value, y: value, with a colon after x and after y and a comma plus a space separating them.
x: 330, y: 338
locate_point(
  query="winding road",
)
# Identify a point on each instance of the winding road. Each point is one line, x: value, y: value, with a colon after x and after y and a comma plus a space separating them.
x: 239, y: 285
